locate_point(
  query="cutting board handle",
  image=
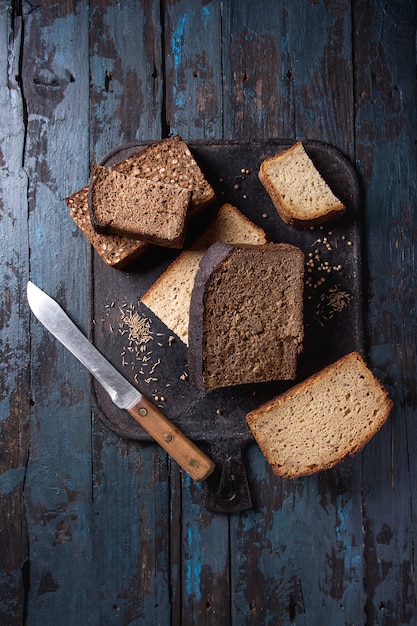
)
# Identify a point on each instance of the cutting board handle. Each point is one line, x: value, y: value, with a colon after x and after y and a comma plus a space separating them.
x: 226, y: 490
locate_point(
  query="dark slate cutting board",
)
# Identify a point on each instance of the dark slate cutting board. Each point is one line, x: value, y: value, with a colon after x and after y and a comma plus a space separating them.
x: 332, y: 311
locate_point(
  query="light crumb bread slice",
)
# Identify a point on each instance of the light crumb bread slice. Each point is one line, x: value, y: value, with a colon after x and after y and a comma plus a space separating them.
x: 246, y: 315
x: 122, y: 204
x: 299, y: 193
x: 319, y: 422
x: 116, y: 251
x: 169, y: 296
x: 170, y: 161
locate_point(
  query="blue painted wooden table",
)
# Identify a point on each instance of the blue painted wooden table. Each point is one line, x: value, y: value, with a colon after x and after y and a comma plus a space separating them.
x: 96, y: 528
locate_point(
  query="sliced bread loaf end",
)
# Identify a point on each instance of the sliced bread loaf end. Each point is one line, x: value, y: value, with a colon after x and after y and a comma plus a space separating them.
x: 246, y: 315
x: 319, y: 422
x: 300, y: 195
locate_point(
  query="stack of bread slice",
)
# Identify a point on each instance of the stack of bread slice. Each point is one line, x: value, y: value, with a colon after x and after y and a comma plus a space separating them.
x: 145, y: 199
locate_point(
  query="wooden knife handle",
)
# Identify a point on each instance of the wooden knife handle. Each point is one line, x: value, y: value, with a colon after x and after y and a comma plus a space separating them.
x: 182, y: 450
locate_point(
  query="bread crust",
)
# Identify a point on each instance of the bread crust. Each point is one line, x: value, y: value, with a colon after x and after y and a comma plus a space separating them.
x: 291, y: 395
x: 284, y: 210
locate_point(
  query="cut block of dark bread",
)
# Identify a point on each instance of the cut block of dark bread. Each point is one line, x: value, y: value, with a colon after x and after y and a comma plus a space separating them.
x: 122, y: 204
x: 169, y: 296
x: 116, y: 251
x: 170, y: 161
x: 300, y: 195
x: 246, y: 315
x: 319, y: 422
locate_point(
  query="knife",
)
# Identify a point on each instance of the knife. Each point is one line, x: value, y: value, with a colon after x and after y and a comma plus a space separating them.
x: 123, y: 394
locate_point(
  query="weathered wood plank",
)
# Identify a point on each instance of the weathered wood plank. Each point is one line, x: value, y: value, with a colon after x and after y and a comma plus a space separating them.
x: 126, y: 66
x: 131, y: 498
x: 288, y: 71
x: 194, y: 101
x: 14, y: 337
x: 386, y: 153
x: 58, y: 485
x: 131, y: 532
x: 194, y: 97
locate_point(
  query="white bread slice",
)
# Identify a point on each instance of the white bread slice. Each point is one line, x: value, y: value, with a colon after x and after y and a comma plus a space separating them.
x: 299, y: 193
x: 317, y: 423
x: 170, y: 295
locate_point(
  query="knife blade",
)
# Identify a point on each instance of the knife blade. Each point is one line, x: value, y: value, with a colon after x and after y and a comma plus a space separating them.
x: 120, y: 390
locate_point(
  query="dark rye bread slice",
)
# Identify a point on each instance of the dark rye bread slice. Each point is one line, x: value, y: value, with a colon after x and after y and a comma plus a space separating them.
x: 116, y: 251
x: 122, y: 204
x: 170, y: 161
x: 319, y: 422
x: 246, y: 315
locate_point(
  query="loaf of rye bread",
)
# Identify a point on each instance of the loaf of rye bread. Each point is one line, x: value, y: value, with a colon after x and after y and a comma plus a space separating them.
x: 299, y: 193
x: 116, y: 251
x: 124, y: 204
x: 169, y: 296
x: 319, y: 422
x: 246, y: 315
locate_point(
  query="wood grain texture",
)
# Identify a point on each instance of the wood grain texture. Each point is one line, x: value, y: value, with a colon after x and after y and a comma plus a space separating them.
x: 97, y: 529
x: 386, y: 153
x: 14, y: 335
x: 58, y: 479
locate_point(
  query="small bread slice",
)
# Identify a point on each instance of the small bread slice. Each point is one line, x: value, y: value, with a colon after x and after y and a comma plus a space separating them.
x: 116, y: 251
x: 319, y: 422
x: 126, y: 205
x: 299, y: 193
x: 246, y: 315
x: 169, y: 296
x: 170, y: 161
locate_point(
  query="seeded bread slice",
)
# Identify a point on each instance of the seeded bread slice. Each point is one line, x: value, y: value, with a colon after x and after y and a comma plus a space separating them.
x: 116, y: 251
x: 299, y: 193
x: 322, y: 420
x: 246, y: 315
x: 122, y: 204
x: 170, y: 161
x: 169, y: 296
